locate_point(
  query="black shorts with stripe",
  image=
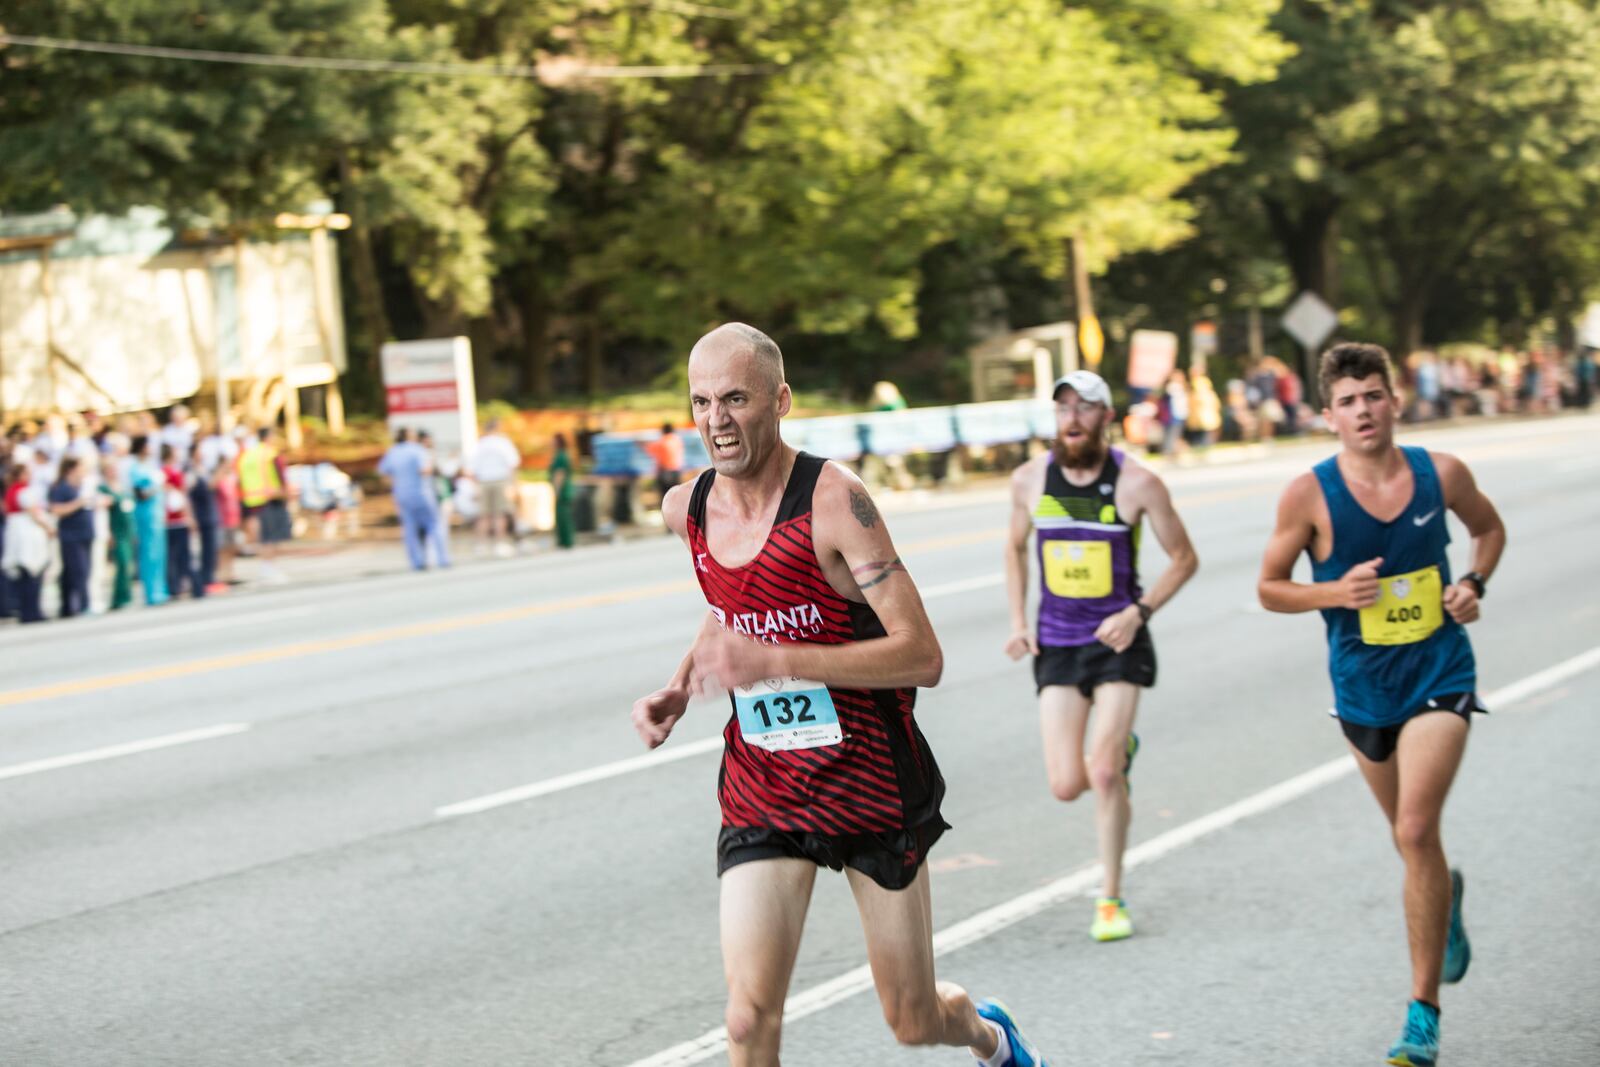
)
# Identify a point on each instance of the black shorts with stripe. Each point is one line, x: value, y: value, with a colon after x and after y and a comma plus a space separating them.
x: 1377, y: 743
x: 890, y: 858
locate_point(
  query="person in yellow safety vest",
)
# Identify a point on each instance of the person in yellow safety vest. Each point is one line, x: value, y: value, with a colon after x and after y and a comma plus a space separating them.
x: 262, y: 479
x: 1205, y: 410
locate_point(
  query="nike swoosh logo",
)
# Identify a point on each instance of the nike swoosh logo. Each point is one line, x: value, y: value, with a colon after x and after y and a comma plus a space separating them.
x: 1422, y: 520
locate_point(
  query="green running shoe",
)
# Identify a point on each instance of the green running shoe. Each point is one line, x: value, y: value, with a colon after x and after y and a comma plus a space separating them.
x: 1458, y: 950
x: 1127, y: 766
x: 1111, y: 922
x: 1418, y: 1045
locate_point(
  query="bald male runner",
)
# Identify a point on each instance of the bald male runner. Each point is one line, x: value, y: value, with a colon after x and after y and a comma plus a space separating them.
x: 818, y: 633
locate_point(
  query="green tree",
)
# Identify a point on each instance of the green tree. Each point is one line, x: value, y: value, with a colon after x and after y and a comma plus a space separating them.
x: 214, y: 142
x: 1406, y: 143
x: 610, y: 220
x: 1011, y: 126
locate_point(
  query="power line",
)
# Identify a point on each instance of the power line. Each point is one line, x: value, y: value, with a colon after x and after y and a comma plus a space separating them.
x: 537, y: 71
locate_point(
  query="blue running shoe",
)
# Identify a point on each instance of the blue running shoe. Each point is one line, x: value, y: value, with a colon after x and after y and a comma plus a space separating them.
x: 1419, y: 1041
x: 1023, y: 1053
x: 1458, y: 951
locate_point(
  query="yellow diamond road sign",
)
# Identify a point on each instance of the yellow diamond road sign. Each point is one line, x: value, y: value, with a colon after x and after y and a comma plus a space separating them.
x: 1091, y: 342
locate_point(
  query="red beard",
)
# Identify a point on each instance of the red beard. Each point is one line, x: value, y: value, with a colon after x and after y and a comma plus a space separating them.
x: 1088, y: 454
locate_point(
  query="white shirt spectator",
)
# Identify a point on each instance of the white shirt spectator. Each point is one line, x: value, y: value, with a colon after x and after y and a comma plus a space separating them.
x: 27, y: 542
x: 53, y: 446
x: 41, y: 470
x: 495, y: 459
x: 216, y: 450
x: 88, y: 456
x: 181, y: 437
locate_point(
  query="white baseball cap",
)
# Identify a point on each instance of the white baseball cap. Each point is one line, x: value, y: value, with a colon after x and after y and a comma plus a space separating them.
x: 1087, y: 384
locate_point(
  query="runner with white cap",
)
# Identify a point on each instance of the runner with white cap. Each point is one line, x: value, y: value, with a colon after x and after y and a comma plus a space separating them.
x: 1079, y: 508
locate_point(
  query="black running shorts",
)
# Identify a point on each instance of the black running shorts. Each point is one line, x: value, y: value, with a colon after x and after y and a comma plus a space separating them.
x: 1087, y: 666
x: 276, y: 525
x: 890, y: 858
x: 1377, y: 743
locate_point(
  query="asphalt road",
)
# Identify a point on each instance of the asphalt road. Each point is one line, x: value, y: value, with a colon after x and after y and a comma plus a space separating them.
x: 251, y: 832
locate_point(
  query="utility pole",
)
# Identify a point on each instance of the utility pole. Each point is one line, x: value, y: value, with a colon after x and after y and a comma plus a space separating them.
x: 1091, y: 341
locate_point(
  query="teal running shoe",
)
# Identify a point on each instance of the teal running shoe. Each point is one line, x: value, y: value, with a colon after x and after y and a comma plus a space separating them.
x: 1023, y: 1052
x: 1419, y: 1041
x: 1127, y: 766
x: 1458, y: 950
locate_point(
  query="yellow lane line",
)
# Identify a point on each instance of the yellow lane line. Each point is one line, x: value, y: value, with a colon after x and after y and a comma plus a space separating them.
x: 334, y: 644
x: 190, y: 668
x: 1217, y: 496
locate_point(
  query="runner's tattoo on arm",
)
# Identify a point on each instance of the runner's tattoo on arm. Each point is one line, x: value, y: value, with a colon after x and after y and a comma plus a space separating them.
x: 870, y: 574
x: 861, y: 505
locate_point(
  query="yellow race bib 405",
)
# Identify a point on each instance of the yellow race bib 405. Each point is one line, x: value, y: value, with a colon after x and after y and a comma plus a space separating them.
x: 1080, y: 570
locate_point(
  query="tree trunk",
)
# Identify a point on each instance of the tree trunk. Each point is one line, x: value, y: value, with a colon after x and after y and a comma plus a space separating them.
x: 480, y: 332
x: 1310, y: 244
x: 370, y: 312
x: 593, y: 355
x: 533, y: 378
x: 1407, y: 314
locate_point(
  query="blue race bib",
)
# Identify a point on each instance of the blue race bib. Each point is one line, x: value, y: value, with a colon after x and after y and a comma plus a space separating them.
x: 781, y: 714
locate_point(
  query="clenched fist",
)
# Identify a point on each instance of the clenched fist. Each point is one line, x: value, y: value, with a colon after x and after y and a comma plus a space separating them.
x: 654, y: 716
x: 1359, y: 588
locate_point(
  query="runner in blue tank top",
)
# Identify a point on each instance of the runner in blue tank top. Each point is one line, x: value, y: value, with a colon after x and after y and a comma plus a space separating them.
x: 1078, y: 509
x: 1372, y: 520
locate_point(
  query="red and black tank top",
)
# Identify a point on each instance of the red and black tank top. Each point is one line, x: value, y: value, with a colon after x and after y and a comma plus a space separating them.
x: 880, y: 775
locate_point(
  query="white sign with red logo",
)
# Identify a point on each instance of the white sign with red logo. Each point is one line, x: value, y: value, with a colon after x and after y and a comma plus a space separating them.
x: 429, y: 387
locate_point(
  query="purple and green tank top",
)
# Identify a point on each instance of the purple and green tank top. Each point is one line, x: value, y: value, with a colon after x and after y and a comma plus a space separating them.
x: 1088, y: 555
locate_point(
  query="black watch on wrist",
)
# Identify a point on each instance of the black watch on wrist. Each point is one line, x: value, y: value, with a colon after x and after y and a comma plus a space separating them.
x: 1478, y: 580
x: 1145, y: 610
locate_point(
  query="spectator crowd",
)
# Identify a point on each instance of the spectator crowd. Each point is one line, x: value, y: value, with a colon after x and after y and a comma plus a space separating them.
x: 96, y: 515
x: 155, y: 511
x: 1270, y: 400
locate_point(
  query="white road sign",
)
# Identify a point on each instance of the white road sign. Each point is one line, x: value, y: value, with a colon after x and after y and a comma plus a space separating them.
x: 1310, y: 320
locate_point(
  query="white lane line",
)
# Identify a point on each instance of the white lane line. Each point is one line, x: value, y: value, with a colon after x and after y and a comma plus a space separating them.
x: 159, y: 633
x: 577, y: 778
x: 17, y: 770
x: 993, y: 920
x: 1548, y: 678
x: 516, y: 794
x: 964, y: 585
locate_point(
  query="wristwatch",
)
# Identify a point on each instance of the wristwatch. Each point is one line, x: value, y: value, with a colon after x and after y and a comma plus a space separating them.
x: 1478, y: 580
x: 1145, y: 610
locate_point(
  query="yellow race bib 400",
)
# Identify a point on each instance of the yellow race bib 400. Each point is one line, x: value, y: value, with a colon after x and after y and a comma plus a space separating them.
x: 1409, y: 609
x: 1080, y: 570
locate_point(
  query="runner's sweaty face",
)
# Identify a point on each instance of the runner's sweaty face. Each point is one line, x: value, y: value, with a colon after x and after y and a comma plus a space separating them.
x: 1362, y: 411
x: 1080, y: 431
x: 737, y: 405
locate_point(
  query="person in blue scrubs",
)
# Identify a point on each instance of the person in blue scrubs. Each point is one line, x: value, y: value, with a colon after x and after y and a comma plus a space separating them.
x: 149, y: 487
x: 409, y: 469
